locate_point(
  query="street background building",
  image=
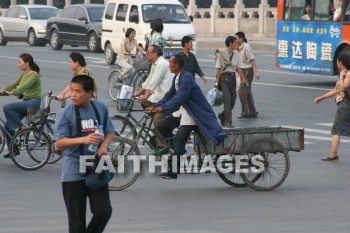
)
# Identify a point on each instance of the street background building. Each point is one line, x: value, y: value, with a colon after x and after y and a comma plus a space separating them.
x: 211, y: 18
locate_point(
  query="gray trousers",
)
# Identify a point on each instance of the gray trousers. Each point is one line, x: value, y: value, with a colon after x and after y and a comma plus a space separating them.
x: 228, y: 87
x: 246, y: 95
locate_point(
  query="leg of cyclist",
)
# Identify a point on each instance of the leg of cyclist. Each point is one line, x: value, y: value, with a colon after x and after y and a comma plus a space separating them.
x: 14, y: 113
x: 127, y: 68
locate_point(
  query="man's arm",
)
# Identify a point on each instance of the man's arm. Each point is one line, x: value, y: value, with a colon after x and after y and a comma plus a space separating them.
x: 181, y: 96
x: 102, y: 150
x: 93, y: 138
x: 198, y: 70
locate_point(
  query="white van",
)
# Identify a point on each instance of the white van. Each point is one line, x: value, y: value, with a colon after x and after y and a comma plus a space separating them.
x: 120, y: 15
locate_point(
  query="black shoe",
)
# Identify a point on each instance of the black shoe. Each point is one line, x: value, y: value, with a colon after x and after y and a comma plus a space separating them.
x: 254, y: 116
x: 228, y: 125
x: 168, y: 175
x: 221, y: 117
x: 335, y: 158
x: 6, y: 156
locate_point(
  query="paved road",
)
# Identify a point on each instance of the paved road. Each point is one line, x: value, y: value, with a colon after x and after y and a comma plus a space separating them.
x: 314, y: 197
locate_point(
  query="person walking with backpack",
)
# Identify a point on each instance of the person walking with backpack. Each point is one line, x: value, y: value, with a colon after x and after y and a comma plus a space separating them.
x: 227, y: 63
x: 249, y: 68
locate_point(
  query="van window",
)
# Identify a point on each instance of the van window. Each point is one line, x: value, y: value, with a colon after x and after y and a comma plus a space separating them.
x: 134, y: 14
x: 167, y: 12
x: 121, y: 12
x: 110, y: 11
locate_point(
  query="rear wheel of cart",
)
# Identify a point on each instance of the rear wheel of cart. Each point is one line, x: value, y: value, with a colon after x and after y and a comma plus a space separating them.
x: 225, y: 167
x: 265, y: 164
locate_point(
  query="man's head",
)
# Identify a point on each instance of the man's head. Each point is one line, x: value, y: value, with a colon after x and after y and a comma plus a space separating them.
x: 231, y: 43
x: 240, y: 37
x: 153, y: 53
x: 175, y: 64
x: 186, y: 42
x: 81, y: 87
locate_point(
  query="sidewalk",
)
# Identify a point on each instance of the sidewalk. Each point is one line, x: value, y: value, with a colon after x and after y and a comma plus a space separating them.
x: 257, y: 44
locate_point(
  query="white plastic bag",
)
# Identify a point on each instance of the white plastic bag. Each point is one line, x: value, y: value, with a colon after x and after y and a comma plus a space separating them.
x: 125, y: 92
x: 214, y: 97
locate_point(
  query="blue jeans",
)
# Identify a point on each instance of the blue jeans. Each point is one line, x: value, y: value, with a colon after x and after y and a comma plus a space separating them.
x: 15, y: 112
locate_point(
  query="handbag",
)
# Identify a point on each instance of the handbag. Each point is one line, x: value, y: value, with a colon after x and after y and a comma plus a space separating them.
x: 96, y: 180
x: 93, y: 179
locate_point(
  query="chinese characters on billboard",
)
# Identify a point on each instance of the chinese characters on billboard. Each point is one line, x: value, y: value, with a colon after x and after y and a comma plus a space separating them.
x: 307, y: 47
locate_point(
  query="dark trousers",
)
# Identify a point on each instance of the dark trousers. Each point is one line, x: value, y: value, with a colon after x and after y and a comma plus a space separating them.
x: 166, y: 127
x: 228, y: 87
x: 75, y: 194
x: 246, y: 95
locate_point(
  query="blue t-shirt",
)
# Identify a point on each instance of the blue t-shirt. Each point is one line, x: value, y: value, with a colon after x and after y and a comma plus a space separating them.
x: 66, y: 127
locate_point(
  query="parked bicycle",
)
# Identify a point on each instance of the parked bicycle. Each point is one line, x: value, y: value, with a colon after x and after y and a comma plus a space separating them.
x: 31, y: 148
x: 135, y: 79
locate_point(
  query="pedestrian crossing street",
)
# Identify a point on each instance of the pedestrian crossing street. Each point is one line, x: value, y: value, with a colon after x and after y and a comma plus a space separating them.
x: 320, y: 132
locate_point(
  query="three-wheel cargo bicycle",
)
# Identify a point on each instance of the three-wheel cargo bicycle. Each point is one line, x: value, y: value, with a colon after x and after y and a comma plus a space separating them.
x: 260, y: 152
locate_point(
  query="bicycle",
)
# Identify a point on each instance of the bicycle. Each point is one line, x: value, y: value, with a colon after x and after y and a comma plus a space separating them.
x: 3, y: 131
x: 31, y: 148
x: 135, y: 79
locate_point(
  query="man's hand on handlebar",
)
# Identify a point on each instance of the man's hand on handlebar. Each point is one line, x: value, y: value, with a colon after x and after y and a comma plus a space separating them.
x: 154, y: 109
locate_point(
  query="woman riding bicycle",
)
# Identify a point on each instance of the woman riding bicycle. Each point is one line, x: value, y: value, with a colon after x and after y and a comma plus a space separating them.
x: 127, y: 45
x: 26, y: 87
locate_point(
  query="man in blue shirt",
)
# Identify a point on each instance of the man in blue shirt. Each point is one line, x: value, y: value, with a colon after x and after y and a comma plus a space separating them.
x: 75, y: 191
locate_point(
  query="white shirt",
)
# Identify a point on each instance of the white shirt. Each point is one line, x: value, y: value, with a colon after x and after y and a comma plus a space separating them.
x: 246, y: 55
x: 186, y: 119
x: 158, y: 81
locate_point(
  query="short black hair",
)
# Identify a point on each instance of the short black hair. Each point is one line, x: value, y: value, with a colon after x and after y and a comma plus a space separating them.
x: 229, y: 40
x: 78, y: 57
x: 158, y: 26
x: 242, y: 35
x: 344, y: 58
x: 179, y: 60
x: 156, y: 49
x: 86, y: 81
x: 129, y: 31
x: 185, y: 40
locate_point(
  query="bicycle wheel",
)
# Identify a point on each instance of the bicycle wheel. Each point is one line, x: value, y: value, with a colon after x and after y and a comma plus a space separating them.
x: 268, y: 164
x: 123, y: 127
x: 49, y: 130
x: 114, y: 86
x: 124, y: 156
x: 34, y: 149
x: 2, y: 140
x: 230, y: 177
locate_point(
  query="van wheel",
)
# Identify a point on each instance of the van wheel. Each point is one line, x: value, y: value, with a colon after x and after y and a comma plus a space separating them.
x: 32, y: 40
x: 55, y: 40
x: 3, y: 41
x: 109, y: 55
